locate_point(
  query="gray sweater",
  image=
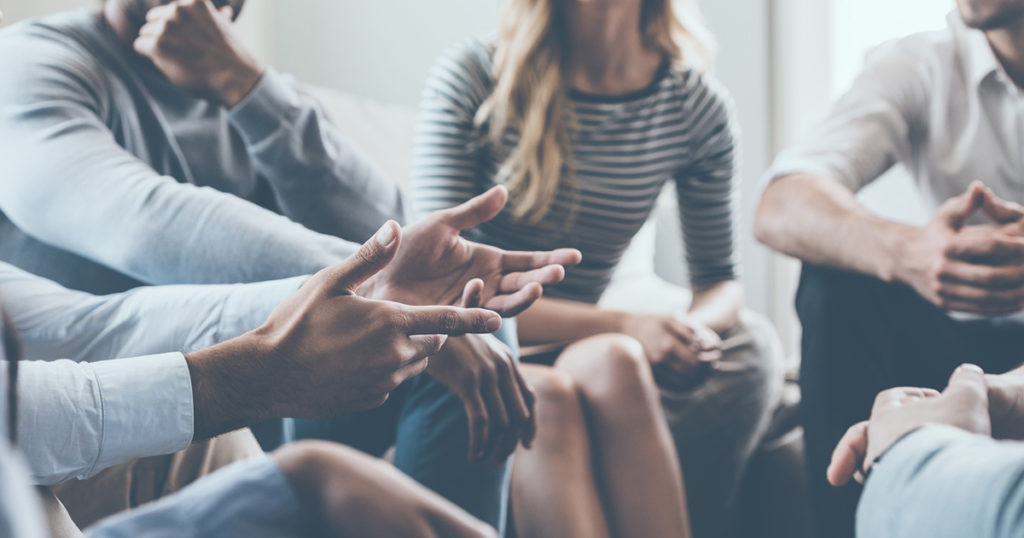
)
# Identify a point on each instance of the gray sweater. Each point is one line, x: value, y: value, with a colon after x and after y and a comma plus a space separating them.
x: 113, y: 177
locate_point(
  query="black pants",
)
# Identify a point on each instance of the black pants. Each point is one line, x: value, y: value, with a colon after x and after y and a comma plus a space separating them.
x: 861, y: 336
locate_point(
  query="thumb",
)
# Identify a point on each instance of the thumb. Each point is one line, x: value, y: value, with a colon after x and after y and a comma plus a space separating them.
x: 968, y: 379
x: 955, y: 211
x: 1000, y: 211
x: 968, y: 396
x: 477, y: 210
x: 373, y: 256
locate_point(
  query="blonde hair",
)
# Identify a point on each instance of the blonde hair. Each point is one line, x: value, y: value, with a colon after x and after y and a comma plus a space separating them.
x: 529, y: 95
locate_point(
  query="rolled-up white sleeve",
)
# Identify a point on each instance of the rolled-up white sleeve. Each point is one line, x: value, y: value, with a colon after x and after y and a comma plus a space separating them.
x: 76, y: 419
x: 869, y: 128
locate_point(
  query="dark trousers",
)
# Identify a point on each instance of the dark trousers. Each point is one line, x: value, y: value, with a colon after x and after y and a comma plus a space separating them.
x: 861, y: 336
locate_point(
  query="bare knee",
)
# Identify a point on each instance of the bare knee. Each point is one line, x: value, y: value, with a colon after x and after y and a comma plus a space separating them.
x: 608, y: 366
x: 557, y: 399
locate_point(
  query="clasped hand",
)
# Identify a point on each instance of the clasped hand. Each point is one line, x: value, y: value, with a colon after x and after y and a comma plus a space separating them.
x: 976, y: 269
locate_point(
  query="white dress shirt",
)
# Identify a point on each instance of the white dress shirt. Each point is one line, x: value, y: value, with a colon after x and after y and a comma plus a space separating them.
x: 938, y: 102
x: 80, y: 416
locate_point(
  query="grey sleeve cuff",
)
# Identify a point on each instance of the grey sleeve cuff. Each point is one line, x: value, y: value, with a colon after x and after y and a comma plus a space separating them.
x: 270, y: 105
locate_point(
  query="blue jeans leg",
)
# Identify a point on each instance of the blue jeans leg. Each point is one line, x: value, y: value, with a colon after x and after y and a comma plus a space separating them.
x: 427, y: 423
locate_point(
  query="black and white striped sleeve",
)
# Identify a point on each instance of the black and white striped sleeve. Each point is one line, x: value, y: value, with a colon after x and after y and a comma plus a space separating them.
x: 707, y: 187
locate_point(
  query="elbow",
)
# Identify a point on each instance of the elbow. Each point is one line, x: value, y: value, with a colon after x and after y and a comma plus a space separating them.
x: 767, y: 219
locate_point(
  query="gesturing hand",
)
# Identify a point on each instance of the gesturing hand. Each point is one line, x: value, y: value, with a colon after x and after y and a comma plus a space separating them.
x: 1006, y: 404
x: 191, y: 43
x: 357, y: 495
x: 436, y: 263
x: 483, y: 373
x: 676, y: 346
x: 899, y: 411
x: 325, y: 350
x: 977, y: 269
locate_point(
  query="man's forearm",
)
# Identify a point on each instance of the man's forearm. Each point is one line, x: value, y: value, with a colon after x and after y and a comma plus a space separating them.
x: 821, y: 222
x: 230, y: 388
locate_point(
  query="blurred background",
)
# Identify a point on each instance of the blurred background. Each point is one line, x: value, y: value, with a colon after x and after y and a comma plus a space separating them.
x: 783, y: 60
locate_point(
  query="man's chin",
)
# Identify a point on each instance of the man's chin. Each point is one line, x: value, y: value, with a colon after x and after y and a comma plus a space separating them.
x: 1005, y: 18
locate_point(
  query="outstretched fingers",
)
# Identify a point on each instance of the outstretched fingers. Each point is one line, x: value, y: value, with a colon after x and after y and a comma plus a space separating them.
x: 449, y: 320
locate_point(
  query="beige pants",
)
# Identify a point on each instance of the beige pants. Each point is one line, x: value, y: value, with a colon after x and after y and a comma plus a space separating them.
x: 76, y: 504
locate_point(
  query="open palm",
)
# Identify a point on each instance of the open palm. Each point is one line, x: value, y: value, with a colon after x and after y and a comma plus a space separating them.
x: 435, y: 263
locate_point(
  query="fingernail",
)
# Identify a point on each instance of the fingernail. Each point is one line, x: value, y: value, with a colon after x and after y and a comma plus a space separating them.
x: 971, y: 367
x: 494, y: 324
x: 386, y: 234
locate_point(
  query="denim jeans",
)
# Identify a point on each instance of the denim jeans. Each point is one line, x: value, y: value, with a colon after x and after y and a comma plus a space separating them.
x: 427, y: 425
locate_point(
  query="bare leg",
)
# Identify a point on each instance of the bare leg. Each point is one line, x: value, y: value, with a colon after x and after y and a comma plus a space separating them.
x: 553, y: 490
x: 635, y: 458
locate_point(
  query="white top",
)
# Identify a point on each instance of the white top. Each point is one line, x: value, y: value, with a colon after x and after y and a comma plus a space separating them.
x: 938, y: 102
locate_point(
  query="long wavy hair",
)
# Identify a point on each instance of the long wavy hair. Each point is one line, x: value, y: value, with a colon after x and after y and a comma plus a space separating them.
x: 530, y: 92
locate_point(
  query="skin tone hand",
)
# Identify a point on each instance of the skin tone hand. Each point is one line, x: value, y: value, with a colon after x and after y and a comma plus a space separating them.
x: 325, y: 351
x: 677, y: 346
x: 191, y: 42
x: 353, y: 494
x: 977, y: 269
x: 899, y: 411
x: 482, y: 372
x: 437, y: 263
x: 1006, y: 404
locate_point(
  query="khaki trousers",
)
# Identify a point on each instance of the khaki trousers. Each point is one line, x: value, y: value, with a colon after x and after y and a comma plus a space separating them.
x: 76, y: 504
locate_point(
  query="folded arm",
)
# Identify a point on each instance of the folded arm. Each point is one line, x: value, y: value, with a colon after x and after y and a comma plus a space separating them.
x: 318, y: 178
x: 61, y: 160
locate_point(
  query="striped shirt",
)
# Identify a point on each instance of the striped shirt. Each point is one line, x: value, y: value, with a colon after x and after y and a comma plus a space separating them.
x: 624, y: 149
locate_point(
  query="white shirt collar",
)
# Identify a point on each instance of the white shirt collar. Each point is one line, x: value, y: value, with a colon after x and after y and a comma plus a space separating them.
x: 977, y: 52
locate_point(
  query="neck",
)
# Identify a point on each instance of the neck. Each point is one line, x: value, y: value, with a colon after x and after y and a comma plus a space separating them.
x: 1008, y: 45
x: 122, y: 21
x: 607, y: 54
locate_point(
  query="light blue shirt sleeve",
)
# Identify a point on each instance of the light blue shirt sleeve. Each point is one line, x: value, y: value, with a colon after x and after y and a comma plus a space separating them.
x: 76, y: 419
x: 940, y: 482
x: 55, y: 322
x: 250, y: 498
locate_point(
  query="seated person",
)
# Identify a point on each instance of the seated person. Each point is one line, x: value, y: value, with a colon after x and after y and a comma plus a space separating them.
x: 112, y: 408
x: 86, y: 416
x: 884, y: 303
x: 938, y: 465
x: 585, y: 111
x: 143, y: 144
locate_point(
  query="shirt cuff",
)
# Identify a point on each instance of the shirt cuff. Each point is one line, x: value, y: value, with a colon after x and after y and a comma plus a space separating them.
x: 249, y: 305
x: 267, y: 107
x: 147, y: 408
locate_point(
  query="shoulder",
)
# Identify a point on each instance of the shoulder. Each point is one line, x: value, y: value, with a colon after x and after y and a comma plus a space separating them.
x: 703, y: 99
x: 60, y: 51
x: 463, y: 73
